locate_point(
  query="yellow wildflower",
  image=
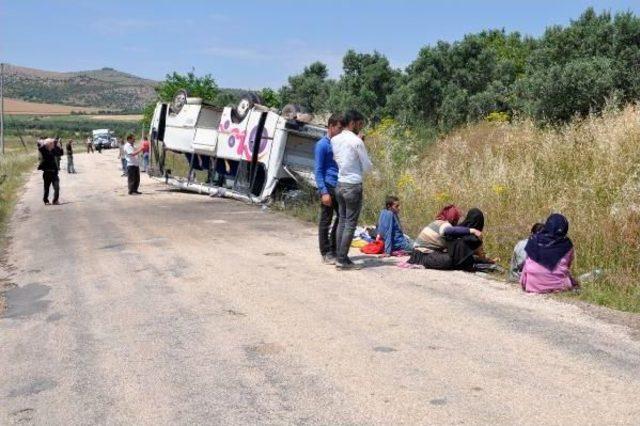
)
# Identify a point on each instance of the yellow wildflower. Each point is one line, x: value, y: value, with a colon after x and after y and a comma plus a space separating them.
x: 499, y: 189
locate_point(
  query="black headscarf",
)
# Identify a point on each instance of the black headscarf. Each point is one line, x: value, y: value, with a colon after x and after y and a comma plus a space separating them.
x: 550, y: 245
x: 474, y: 219
x: 461, y: 249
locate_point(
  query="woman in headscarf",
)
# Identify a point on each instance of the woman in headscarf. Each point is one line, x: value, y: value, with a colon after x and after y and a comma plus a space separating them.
x: 549, y: 257
x: 465, y: 251
x: 431, y: 247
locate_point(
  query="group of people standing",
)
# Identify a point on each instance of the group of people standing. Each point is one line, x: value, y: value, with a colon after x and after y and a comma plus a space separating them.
x: 50, y: 152
x: 541, y: 263
x: 341, y: 160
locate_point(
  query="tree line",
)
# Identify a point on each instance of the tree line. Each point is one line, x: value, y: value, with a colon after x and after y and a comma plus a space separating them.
x: 569, y: 71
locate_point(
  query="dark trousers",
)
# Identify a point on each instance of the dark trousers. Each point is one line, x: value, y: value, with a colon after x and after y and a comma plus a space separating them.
x: 349, y: 207
x: 432, y: 260
x: 133, y: 178
x: 326, y: 232
x: 70, y: 167
x: 49, y: 178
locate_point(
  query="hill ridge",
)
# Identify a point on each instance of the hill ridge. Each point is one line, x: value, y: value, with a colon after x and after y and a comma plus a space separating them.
x: 105, y: 88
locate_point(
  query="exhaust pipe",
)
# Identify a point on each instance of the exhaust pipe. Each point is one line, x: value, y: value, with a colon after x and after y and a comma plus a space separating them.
x: 212, y: 191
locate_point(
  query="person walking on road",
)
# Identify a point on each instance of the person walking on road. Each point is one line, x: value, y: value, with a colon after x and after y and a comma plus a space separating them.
x: 69, y: 148
x: 326, y: 174
x: 49, y: 152
x: 89, y: 145
x: 146, y: 147
x: 133, y: 166
x: 353, y: 162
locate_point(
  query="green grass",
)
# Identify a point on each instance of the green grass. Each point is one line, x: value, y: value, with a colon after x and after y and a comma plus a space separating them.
x: 13, y: 167
x: 67, y: 126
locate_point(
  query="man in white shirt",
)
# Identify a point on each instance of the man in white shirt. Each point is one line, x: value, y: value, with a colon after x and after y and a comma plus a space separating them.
x: 353, y: 161
x: 133, y: 166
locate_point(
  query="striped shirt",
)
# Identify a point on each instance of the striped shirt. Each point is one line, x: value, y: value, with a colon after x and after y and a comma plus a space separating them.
x: 431, y: 238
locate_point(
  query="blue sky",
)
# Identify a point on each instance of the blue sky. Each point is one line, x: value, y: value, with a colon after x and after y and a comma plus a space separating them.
x: 251, y: 43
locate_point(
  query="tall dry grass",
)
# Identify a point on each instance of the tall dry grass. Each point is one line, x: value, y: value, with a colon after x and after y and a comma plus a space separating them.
x: 13, y: 165
x: 518, y: 174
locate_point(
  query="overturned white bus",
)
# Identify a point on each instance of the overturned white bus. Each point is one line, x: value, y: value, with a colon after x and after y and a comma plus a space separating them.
x: 249, y: 151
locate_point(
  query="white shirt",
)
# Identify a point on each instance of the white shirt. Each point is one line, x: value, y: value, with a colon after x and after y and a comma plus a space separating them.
x: 132, y: 160
x: 351, y: 156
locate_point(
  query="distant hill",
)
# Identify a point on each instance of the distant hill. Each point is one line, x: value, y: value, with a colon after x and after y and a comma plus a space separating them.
x: 105, y: 89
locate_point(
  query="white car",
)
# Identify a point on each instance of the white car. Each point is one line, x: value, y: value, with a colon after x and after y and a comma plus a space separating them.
x: 102, y: 138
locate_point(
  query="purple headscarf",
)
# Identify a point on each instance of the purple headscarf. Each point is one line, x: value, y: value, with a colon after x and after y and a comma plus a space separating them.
x: 550, y: 245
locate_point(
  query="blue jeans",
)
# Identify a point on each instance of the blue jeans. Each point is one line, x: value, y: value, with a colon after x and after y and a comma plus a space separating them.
x: 349, y: 206
x: 145, y: 161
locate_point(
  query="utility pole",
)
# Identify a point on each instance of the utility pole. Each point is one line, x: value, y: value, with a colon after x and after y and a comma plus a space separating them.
x: 2, y: 107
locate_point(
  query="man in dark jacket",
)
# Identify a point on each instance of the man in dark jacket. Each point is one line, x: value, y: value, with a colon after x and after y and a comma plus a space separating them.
x: 50, y: 152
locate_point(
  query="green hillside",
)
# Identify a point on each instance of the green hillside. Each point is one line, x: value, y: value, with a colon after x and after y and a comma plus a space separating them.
x: 105, y: 88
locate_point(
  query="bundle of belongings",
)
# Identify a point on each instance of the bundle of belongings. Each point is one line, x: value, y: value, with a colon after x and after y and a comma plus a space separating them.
x: 365, y: 238
x: 362, y: 236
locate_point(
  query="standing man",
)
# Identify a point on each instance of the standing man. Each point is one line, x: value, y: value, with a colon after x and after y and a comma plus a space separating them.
x: 145, y: 146
x: 49, y: 152
x: 133, y: 166
x: 89, y: 145
x: 326, y: 174
x: 70, y: 167
x: 353, y: 161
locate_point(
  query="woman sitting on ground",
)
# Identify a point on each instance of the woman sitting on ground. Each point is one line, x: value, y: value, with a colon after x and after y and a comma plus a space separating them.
x: 549, y: 257
x: 465, y: 252
x: 431, y: 246
x: 389, y: 229
x: 519, y: 255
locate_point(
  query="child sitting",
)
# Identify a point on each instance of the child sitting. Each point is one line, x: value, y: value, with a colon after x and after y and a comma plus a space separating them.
x: 390, y: 230
x: 520, y: 255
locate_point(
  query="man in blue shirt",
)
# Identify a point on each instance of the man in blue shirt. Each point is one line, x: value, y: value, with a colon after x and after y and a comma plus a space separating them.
x: 326, y: 174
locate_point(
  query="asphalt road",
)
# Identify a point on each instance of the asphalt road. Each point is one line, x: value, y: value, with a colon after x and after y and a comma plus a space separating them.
x: 176, y: 308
